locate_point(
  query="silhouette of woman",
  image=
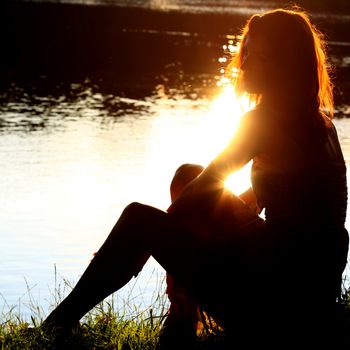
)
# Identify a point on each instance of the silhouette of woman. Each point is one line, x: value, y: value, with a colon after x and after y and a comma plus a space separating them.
x: 269, y: 281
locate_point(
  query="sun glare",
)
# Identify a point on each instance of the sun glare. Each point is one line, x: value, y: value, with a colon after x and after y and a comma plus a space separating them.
x: 195, y: 132
x: 221, y: 121
x: 228, y: 108
x: 239, y: 181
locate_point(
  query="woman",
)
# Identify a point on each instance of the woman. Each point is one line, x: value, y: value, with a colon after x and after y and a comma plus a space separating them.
x: 267, y: 281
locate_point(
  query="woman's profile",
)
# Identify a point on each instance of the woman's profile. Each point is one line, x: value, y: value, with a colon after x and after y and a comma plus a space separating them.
x: 269, y: 282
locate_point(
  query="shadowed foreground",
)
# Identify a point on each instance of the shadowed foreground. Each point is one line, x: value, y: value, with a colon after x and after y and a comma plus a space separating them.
x: 105, y: 328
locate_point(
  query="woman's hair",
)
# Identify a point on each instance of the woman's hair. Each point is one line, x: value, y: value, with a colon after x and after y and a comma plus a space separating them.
x: 297, y: 52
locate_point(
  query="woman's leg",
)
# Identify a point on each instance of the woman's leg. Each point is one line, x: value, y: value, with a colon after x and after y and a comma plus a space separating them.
x: 183, y: 315
x: 141, y: 231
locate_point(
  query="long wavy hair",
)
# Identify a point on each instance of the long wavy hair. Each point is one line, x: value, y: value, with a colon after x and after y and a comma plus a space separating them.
x: 298, y: 52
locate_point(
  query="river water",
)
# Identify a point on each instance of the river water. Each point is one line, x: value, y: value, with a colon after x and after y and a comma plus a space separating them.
x: 73, y: 154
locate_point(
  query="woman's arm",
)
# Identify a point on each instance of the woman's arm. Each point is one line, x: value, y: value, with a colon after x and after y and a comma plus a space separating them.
x: 241, y: 149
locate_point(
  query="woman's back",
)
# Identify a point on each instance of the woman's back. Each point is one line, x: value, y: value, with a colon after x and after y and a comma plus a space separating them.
x: 299, y: 173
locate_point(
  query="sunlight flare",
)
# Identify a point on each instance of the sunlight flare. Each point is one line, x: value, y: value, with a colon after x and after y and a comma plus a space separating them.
x: 239, y: 181
x: 221, y: 121
x: 228, y: 108
x: 206, y: 131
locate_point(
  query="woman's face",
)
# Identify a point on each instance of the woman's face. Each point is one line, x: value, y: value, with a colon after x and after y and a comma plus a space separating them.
x: 256, y: 67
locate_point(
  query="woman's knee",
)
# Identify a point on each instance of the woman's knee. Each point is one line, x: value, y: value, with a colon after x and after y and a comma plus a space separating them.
x: 133, y: 208
x: 184, y: 174
x: 142, y: 216
x: 138, y: 210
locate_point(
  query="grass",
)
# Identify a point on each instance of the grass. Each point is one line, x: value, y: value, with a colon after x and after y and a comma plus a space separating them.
x: 110, y: 327
x: 101, y: 329
x: 112, y: 324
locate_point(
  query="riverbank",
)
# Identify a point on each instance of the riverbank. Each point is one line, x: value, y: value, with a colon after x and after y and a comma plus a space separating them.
x: 104, y: 328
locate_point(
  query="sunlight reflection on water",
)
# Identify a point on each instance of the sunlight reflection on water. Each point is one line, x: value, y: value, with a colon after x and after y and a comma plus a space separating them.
x: 68, y: 172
